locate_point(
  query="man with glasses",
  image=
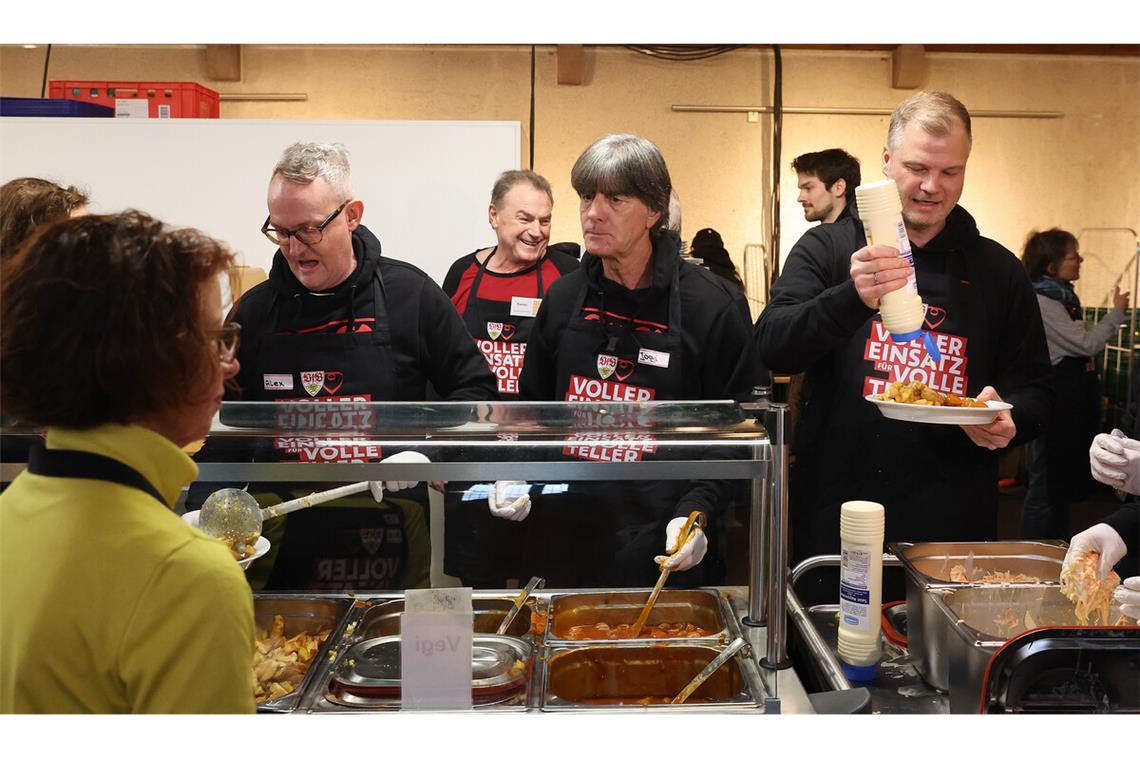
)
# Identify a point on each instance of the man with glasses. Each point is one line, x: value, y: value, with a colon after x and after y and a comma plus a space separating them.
x: 334, y: 327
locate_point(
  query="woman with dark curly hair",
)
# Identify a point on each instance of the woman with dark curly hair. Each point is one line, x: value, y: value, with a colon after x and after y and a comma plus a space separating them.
x: 1058, y: 468
x: 28, y: 202
x: 110, y: 337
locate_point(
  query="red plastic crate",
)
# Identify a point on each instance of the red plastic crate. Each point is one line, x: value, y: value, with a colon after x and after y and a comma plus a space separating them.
x: 168, y: 100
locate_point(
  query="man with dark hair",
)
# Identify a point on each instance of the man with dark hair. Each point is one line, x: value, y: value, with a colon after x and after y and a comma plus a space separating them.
x: 827, y: 180
x: 937, y: 482
x: 634, y: 323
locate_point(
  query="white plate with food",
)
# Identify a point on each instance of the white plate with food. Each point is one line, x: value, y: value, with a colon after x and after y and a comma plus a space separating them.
x: 259, y: 548
x: 939, y: 415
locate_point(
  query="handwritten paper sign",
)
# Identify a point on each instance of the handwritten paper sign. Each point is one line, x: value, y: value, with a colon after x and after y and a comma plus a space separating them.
x: 435, y: 649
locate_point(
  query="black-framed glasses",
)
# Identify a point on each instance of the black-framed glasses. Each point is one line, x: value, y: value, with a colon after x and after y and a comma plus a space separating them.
x: 307, y: 235
x: 228, y: 339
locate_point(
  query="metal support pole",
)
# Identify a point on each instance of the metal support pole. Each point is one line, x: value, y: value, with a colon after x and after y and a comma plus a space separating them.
x: 758, y: 532
x: 776, y: 551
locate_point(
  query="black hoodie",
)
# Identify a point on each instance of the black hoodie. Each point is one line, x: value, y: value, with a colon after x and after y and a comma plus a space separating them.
x: 935, y: 483
x: 623, y: 523
x: 429, y: 340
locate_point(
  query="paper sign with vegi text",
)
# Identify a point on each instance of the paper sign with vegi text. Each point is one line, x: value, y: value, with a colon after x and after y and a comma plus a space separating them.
x: 435, y: 649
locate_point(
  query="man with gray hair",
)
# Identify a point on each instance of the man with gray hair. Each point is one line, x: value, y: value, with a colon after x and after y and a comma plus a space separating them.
x: 336, y: 326
x: 937, y: 482
x: 634, y: 323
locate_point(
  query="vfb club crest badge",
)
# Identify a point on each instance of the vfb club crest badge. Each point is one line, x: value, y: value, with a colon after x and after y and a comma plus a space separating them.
x: 313, y: 382
x: 494, y: 329
x: 606, y: 365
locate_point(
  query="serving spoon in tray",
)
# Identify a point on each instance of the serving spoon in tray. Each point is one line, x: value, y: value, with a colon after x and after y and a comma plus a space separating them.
x: 695, y: 517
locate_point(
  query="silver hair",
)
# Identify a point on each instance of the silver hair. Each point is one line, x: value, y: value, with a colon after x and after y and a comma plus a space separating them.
x: 934, y: 111
x: 304, y: 162
x: 512, y: 177
x: 625, y: 165
x: 674, y: 222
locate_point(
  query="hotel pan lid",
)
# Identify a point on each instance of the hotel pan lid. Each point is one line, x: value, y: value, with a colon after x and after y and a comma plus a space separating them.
x: 375, y: 663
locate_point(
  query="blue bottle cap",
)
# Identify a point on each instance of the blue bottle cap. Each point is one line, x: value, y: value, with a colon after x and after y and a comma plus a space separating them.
x: 906, y: 337
x: 859, y: 672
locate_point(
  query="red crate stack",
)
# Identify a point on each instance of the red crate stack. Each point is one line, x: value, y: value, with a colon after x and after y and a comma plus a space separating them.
x: 167, y: 100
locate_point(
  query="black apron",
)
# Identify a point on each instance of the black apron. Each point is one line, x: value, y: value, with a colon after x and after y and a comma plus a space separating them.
x: 331, y: 546
x: 935, y: 484
x: 67, y: 463
x: 606, y: 533
x: 479, y: 548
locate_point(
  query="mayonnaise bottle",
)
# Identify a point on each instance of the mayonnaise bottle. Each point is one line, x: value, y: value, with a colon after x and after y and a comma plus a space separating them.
x: 881, y: 212
x: 860, y: 587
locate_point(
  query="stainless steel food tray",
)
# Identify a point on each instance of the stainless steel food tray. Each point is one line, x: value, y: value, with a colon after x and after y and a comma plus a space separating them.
x: 928, y: 566
x: 307, y: 614
x: 702, y: 608
x: 618, y: 675
x: 972, y: 622
x: 379, y: 615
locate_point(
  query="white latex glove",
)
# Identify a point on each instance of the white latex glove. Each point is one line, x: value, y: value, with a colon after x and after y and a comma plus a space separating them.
x: 377, y: 486
x: 1127, y: 594
x: 689, y: 555
x: 1115, y: 461
x: 1100, y: 538
x: 503, y: 506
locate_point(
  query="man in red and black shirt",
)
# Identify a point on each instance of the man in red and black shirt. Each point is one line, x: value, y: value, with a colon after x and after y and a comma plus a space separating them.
x: 497, y: 291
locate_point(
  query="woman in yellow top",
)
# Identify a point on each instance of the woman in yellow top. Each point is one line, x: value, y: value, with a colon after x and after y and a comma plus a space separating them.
x: 110, y: 337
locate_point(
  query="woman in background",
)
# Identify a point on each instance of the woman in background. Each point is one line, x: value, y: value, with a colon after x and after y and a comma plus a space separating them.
x: 1057, y: 475
x: 28, y: 202
x: 111, y: 338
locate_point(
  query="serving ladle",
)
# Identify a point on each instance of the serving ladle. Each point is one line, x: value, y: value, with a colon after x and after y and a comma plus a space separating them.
x: 234, y: 516
x: 714, y: 665
x: 520, y: 602
x: 696, y: 516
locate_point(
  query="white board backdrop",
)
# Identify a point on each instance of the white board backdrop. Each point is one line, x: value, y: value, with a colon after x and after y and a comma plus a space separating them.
x: 425, y: 184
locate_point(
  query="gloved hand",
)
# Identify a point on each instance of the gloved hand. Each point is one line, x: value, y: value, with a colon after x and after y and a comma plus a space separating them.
x: 503, y: 506
x: 377, y: 486
x: 1115, y: 461
x: 1127, y: 595
x: 1100, y: 538
x: 689, y: 555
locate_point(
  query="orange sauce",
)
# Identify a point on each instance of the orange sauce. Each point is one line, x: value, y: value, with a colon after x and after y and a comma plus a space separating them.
x: 625, y: 631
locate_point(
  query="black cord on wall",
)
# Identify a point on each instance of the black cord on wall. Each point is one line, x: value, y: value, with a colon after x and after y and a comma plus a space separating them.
x: 532, y: 107
x: 777, y: 135
x: 47, y: 59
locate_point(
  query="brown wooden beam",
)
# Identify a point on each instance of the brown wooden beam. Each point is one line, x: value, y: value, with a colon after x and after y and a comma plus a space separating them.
x: 908, y: 67
x: 1037, y: 49
x: 223, y: 63
x: 571, y: 64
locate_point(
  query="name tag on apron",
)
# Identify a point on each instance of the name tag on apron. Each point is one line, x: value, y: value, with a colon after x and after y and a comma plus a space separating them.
x: 278, y: 382
x: 524, y: 307
x: 653, y: 358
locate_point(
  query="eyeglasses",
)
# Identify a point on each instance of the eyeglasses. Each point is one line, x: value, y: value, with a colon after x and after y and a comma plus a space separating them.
x: 307, y: 235
x: 228, y: 339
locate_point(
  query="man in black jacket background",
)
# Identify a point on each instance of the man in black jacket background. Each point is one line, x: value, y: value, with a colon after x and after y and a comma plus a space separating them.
x: 936, y: 482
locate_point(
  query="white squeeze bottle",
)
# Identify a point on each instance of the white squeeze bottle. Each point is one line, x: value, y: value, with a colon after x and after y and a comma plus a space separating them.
x: 860, y: 587
x: 881, y: 212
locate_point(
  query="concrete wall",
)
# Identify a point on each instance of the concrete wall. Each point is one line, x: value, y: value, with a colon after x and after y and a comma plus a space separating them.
x: 1077, y: 172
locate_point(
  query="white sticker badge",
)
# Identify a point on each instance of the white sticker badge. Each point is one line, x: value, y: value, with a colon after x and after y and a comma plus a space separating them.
x: 653, y: 358
x: 277, y: 382
x: 524, y: 307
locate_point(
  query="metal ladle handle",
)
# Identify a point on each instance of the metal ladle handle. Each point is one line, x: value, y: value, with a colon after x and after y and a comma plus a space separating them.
x: 715, y: 665
x: 520, y: 601
x: 313, y: 499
